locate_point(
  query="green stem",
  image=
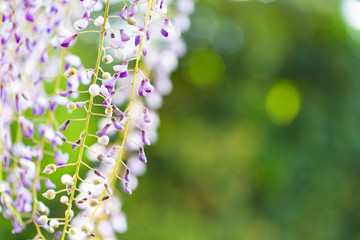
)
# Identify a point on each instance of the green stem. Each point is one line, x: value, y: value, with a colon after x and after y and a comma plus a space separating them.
x: 87, y: 121
x: 130, y: 105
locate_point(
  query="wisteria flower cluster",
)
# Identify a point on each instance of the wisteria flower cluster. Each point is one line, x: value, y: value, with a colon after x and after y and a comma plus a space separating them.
x: 116, y: 100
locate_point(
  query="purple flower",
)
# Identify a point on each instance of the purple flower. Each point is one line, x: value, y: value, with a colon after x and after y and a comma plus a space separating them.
x: 144, y: 138
x: 147, y: 116
x: 61, y: 136
x: 117, y: 124
x: 29, y: 16
x: 117, y: 43
x: 142, y: 156
x: 66, y: 42
x: 132, y: 10
x: 103, y: 131
x: 76, y: 144
x: 80, y: 104
x: 124, y: 119
x: 168, y: 29
x: 145, y: 87
x: 65, y: 125
x: 127, y: 175
x: 49, y: 184
x: 61, y: 158
x: 123, y: 13
x: 117, y: 111
x: 66, y: 93
x: 141, y: 90
x: 137, y: 40
x: 127, y: 190
x: 144, y: 52
x: 122, y: 69
x: 110, y: 83
x: 123, y: 36
x: 27, y: 127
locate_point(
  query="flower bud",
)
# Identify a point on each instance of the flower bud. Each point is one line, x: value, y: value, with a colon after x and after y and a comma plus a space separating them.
x: 131, y: 21
x: 66, y: 179
x: 49, y: 194
x: 108, y: 189
x: 68, y: 40
x: 70, y: 72
x: 103, y: 130
x: 148, y: 87
x: 127, y: 190
x: 103, y: 140
x: 123, y: 13
x: 93, y: 202
x: 107, y: 59
x: 108, y: 111
x: 127, y: 175
x: 49, y: 169
x: 61, y: 136
x: 72, y: 231
x: 168, y: 29
x: 144, y: 138
x: 65, y: 125
x: 117, y: 111
x: 117, y: 124
x: 40, y: 206
x: 94, y: 89
x: 71, y: 106
x: 147, y: 116
x: 106, y: 75
x: 43, y: 219
x: 137, y: 40
x: 98, y: 173
x: 54, y: 223
x: 80, y: 104
x: 64, y: 200
x: 71, y: 214
x: 76, y: 144
x: 142, y: 156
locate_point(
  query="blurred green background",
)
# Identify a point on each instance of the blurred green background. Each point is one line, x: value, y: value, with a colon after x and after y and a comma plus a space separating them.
x: 260, y: 138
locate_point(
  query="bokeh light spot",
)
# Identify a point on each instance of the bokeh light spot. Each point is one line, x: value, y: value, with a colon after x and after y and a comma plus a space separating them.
x: 350, y: 9
x: 283, y: 102
x: 205, y: 68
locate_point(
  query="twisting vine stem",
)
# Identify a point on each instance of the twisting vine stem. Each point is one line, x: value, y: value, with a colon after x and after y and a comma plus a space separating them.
x: 87, y: 121
x: 130, y: 104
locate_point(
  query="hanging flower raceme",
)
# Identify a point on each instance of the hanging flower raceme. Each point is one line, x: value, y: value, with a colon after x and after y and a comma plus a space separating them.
x: 36, y: 40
